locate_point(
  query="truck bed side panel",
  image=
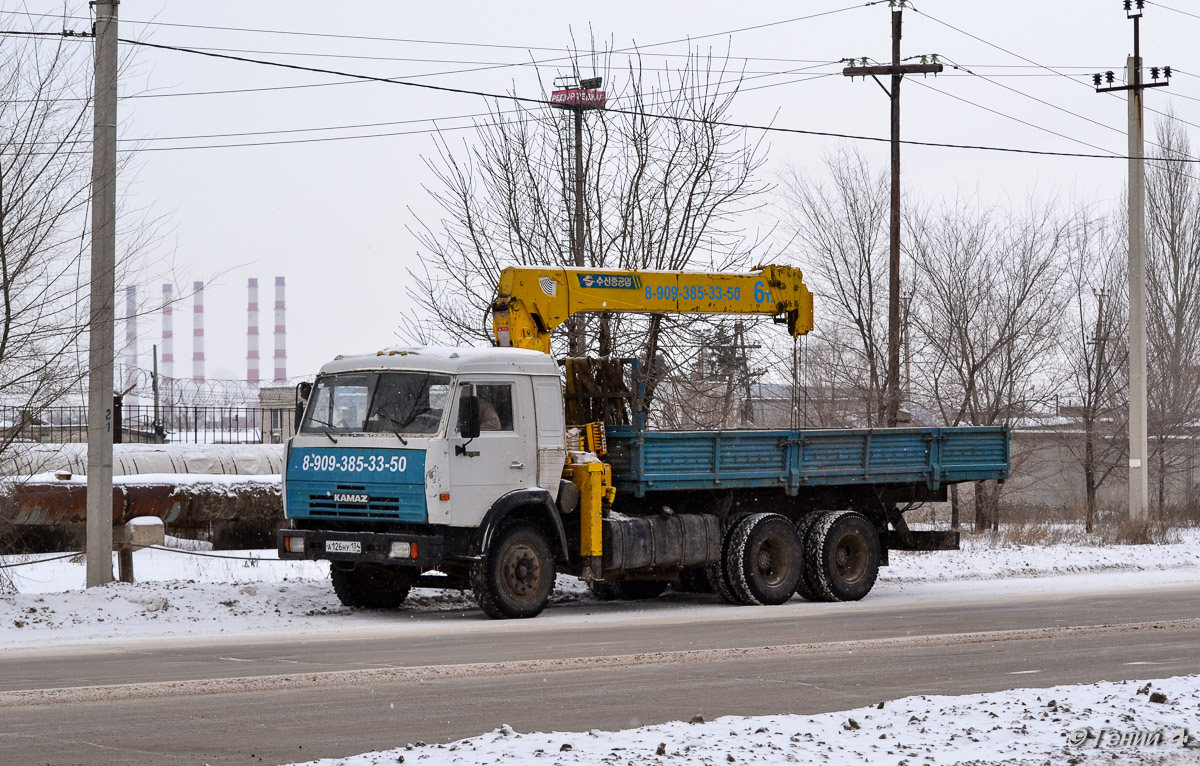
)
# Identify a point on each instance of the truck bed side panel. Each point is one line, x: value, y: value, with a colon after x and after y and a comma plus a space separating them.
x: 695, y: 460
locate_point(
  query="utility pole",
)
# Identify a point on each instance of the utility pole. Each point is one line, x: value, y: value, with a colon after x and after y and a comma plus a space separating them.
x: 586, y: 95
x: 103, y: 286
x: 1139, y: 484
x: 897, y: 71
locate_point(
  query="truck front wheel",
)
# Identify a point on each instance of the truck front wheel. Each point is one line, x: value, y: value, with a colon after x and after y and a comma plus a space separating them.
x: 370, y: 586
x: 842, y: 556
x: 516, y: 575
x: 764, y: 559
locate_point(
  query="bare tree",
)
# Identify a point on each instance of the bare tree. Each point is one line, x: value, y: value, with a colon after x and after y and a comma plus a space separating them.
x: 987, y: 306
x: 44, y: 193
x: 663, y: 192
x: 1172, y: 296
x: 842, y: 228
x: 1095, y: 353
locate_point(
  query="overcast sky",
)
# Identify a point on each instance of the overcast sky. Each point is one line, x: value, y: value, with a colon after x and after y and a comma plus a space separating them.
x: 331, y: 215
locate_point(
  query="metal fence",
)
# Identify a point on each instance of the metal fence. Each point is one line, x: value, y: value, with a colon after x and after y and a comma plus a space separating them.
x: 178, y: 424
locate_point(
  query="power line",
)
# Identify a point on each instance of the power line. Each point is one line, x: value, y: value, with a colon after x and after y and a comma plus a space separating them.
x: 1036, y: 64
x: 1011, y: 117
x: 538, y: 101
x: 1176, y: 10
x: 370, y: 38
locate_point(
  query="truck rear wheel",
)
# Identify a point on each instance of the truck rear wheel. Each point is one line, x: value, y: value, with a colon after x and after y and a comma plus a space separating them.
x: 842, y: 556
x: 516, y: 575
x: 718, y: 573
x: 764, y: 561
x: 371, y: 586
x: 804, y: 588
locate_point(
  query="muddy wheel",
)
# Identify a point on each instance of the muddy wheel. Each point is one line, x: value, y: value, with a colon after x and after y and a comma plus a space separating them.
x: 718, y: 575
x: 764, y: 559
x: 371, y: 586
x: 516, y: 575
x: 804, y: 588
x: 842, y: 556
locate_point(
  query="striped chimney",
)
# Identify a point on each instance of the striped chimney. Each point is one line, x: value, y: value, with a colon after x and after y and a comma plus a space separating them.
x: 168, y: 334
x: 280, y: 333
x: 131, y: 337
x: 252, y: 331
x: 198, y: 332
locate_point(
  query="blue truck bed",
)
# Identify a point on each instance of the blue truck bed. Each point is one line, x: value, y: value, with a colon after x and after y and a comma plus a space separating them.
x: 650, y: 461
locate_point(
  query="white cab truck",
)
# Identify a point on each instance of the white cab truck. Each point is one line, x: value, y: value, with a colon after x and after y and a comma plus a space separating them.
x: 450, y: 467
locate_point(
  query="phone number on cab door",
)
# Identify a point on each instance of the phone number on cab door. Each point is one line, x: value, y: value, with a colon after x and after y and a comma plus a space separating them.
x: 374, y: 463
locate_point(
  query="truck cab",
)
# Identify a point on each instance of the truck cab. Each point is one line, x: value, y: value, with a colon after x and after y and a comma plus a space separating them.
x: 412, y: 459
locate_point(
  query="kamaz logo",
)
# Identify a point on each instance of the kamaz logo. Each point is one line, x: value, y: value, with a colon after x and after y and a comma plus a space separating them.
x: 343, y: 497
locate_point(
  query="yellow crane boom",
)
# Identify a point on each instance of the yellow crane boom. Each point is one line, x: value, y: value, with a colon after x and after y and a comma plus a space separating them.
x: 532, y: 301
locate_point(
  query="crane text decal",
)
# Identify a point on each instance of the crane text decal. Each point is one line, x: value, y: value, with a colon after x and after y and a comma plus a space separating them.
x: 611, y: 281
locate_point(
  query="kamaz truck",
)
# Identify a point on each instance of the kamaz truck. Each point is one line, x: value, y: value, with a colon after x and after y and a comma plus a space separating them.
x: 479, y: 469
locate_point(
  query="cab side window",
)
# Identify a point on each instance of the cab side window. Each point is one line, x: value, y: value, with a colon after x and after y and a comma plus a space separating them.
x: 495, y: 407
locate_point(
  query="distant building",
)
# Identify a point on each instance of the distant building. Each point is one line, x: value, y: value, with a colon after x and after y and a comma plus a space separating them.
x: 278, y: 405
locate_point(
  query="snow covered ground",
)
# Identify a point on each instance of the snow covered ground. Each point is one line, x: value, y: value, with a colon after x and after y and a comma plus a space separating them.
x: 194, y: 594
x: 1061, y: 724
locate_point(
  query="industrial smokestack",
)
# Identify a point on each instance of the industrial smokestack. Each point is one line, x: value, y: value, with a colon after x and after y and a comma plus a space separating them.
x: 252, y: 332
x: 168, y: 334
x: 131, y: 338
x: 198, y: 332
x: 280, y: 333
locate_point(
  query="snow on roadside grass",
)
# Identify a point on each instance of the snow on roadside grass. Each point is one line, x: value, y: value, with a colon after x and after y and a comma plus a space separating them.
x: 1016, y: 726
x: 981, y: 559
x: 243, y: 593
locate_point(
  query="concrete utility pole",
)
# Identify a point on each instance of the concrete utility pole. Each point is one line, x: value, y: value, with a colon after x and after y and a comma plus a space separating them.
x: 1139, y: 484
x: 103, y: 287
x: 897, y: 72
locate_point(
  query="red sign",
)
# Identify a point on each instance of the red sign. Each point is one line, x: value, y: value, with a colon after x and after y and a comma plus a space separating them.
x: 578, y: 98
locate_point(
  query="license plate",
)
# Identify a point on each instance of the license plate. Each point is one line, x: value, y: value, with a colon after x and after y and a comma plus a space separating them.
x: 343, y: 546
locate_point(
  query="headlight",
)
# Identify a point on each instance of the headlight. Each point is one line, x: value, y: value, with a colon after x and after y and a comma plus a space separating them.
x: 403, y: 551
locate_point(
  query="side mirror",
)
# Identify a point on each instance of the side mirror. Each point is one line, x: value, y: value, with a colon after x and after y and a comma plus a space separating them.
x: 468, y: 417
x: 303, y: 390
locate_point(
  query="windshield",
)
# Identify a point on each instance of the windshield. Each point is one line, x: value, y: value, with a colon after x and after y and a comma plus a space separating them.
x: 409, y: 403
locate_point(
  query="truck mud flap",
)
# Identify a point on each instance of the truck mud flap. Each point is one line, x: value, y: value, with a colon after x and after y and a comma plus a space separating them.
x: 655, y: 542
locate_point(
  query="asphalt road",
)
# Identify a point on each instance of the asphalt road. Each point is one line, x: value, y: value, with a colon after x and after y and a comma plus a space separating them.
x: 443, y: 676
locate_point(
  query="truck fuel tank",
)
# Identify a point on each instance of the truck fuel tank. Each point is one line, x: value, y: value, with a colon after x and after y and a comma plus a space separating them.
x: 666, y: 541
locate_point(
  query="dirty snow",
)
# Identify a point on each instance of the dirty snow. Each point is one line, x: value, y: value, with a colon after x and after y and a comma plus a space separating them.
x: 1021, y: 726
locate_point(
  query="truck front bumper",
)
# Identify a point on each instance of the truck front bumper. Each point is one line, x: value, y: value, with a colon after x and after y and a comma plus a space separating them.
x: 422, y: 551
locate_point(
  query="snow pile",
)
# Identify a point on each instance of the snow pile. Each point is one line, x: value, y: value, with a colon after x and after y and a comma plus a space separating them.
x: 180, y: 592
x: 982, y: 560
x: 1018, y: 726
